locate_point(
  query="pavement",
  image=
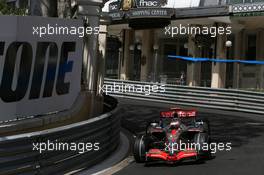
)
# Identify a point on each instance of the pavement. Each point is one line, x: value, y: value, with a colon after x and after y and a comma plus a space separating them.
x: 117, y: 158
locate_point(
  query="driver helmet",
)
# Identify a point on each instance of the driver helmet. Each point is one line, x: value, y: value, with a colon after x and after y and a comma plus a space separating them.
x: 175, y: 124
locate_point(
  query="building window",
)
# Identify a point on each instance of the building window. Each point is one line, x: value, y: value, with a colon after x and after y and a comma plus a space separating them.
x: 173, y: 68
x: 242, y: 1
x: 251, y: 52
x: 112, y: 57
x: 236, y: 1
x: 247, y: 1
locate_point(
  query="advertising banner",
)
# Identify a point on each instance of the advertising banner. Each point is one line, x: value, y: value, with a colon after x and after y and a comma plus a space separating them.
x: 40, y: 65
x: 126, y: 5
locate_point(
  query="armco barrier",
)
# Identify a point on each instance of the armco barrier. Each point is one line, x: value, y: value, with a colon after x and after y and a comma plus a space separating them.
x: 223, y: 99
x: 18, y: 157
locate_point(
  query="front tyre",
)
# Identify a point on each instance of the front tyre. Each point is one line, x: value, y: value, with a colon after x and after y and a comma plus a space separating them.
x: 140, y: 149
x: 201, y: 139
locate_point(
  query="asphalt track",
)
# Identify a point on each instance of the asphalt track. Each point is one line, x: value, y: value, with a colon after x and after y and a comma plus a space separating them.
x: 246, y: 133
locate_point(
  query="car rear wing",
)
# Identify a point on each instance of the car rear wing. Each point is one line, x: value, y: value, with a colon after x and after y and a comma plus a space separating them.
x: 176, y: 112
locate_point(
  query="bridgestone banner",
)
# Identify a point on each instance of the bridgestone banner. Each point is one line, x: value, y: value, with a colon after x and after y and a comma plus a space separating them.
x: 38, y: 75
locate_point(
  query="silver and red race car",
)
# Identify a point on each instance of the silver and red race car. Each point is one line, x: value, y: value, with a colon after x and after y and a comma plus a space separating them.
x: 177, y: 136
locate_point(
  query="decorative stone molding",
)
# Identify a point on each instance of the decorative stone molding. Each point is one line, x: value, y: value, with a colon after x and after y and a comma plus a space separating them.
x: 250, y: 7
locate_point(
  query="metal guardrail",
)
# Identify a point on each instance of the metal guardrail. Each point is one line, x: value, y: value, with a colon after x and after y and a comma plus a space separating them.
x: 17, y: 155
x: 223, y: 99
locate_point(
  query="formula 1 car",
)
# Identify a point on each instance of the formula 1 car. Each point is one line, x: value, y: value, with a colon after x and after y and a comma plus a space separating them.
x: 176, y: 137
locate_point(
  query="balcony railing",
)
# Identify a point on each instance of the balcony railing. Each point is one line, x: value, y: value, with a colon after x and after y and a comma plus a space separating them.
x: 243, y: 1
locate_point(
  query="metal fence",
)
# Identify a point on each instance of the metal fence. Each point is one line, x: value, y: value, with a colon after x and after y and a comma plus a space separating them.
x: 223, y: 99
x: 18, y: 157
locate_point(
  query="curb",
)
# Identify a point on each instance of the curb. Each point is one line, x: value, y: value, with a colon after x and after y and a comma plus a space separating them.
x: 115, y: 162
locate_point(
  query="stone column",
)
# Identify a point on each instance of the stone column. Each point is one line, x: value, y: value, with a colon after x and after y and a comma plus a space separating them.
x: 90, y: 12
x: 91, y: 16
x: 147, y: 54
x: 219, y: 69
x: 126, y: 68
x: 102, y: 50
x: 193, y: 68
x: 260, y: 57
x: 242, y: 69
x: 238, y: 55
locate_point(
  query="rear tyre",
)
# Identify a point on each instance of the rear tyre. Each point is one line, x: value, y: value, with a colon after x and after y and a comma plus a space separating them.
x: 200, y: 139
x: 140, y: 150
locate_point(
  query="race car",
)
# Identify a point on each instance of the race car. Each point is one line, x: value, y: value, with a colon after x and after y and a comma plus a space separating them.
x: 176, y: 137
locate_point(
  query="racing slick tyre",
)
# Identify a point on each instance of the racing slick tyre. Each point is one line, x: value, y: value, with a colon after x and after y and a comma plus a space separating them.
x: 200, y: 139
x: 140, y: 149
